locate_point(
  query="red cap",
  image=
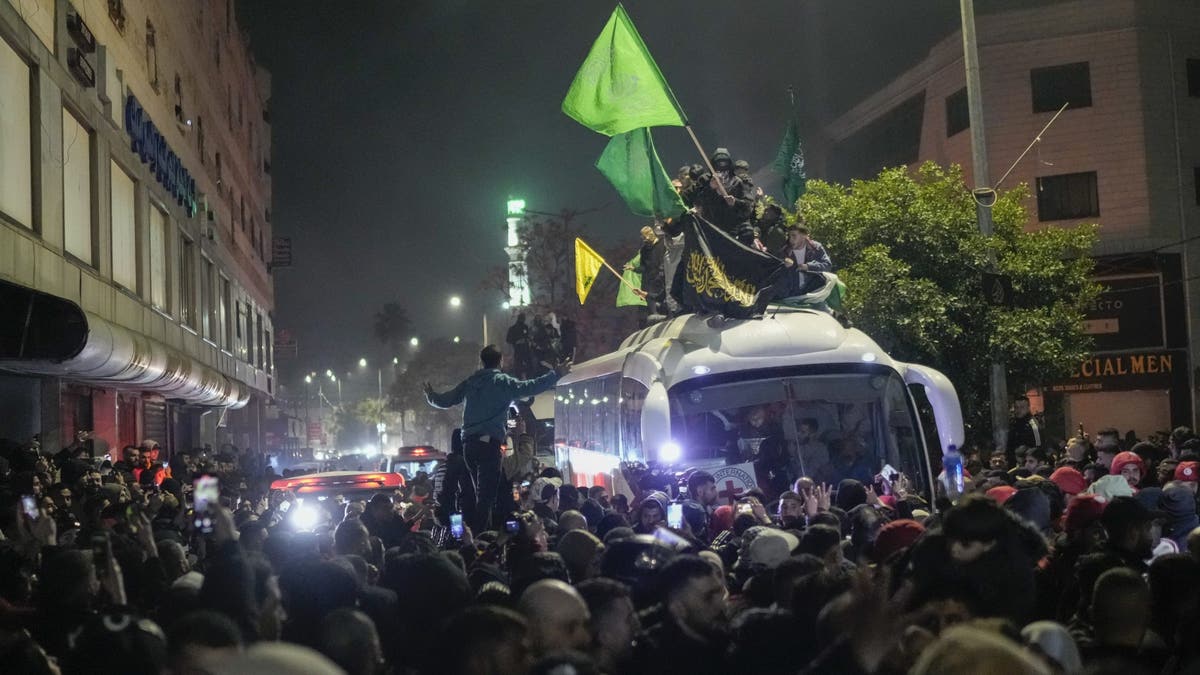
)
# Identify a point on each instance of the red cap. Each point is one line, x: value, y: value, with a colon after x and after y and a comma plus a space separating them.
x: 1069, y: 480
x: 1001, y: 493
x: 1082, y: 511
x: 722, y: 519
x: 1188, y: 472
x: 1124, y: 458
x: 896, y: 536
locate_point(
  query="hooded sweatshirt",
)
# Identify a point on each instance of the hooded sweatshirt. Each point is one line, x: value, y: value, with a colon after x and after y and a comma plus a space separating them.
x: 1180, y: 506
x: 488, y: 394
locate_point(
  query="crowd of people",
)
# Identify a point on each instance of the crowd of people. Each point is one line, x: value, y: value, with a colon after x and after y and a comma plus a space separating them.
x: 1075, y: 559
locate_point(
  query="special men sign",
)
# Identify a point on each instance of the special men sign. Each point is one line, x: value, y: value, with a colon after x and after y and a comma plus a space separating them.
x: 1135, y: 370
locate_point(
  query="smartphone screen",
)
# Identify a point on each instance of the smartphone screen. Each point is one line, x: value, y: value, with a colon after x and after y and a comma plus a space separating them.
x: 284, y: 506
x: 206, y: 496
x: 675, y: 516
x: 511, y: 526
x: 744, y: 508
x: 30, y: 506
x: 456, y: 525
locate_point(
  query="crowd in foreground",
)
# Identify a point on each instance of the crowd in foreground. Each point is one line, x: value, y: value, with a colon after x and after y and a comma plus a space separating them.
x: 1080, y: 560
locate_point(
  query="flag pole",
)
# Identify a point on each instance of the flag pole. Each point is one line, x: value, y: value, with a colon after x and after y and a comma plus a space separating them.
x: 620, y: 276
x: 707, y: 162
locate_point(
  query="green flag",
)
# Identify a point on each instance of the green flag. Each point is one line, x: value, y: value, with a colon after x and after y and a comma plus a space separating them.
x: 789, y: 161
x: 625, y: 295
x: 619, y: 87
x: 630, y: 163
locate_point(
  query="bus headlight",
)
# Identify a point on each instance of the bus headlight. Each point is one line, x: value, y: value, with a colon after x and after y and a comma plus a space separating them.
x: 670, y: 452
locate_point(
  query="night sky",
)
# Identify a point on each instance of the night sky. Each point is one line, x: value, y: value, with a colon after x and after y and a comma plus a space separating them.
x: 400, y: 128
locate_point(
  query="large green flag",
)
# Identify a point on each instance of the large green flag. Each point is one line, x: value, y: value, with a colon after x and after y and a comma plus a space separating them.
x: 619, y: 87
x: 630, y: 163
x: 789, y: 161
x: 625, y: 295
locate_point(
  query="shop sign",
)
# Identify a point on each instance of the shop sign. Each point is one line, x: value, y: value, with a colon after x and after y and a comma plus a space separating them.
x: 148, y: 143
x: 1136, y: 370
x: 1127, y: 314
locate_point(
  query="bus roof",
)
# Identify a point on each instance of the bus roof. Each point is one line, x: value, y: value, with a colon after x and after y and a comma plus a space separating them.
x: 693, y: 346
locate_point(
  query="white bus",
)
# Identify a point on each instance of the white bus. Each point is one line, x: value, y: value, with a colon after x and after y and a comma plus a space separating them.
x: 685, y: 392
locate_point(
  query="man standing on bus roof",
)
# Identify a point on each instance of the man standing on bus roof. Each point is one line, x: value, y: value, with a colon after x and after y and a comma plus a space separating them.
x: 486, y: 396
x: 804, y: 258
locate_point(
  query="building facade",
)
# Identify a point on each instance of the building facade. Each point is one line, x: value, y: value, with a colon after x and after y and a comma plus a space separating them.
x: 135, y: 291
x: 1124, y: 154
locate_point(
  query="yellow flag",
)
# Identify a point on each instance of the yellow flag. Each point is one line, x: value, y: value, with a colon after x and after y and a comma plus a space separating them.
x: 587, y: 266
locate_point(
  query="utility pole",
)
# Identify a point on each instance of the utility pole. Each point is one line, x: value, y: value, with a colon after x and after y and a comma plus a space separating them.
x: 984, y: 198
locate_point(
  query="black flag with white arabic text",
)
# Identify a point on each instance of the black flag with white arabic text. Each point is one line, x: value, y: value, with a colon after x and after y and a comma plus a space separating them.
x: 719, y: 275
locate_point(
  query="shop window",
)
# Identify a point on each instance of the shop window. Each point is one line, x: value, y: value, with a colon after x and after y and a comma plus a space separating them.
x: 1067, y: 196
x: 1053, y: 86
x: 187, y: 281
x: 158, y: 258
x: 1193, y: 77
x: 16, y: 141
x: 124, y: 228
x: 77, y: 188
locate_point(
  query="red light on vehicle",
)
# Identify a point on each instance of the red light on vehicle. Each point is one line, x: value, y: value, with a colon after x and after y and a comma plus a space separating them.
x: 419, y: 451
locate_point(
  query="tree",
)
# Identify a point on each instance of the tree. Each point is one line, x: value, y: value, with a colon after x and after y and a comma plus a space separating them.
x: 549, y: 245
x: 392, y: 326
x: 442, y: 363
x: 910, y: 252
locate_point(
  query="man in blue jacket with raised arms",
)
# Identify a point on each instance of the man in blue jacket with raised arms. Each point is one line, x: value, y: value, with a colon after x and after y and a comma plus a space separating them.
x: 487, y: 395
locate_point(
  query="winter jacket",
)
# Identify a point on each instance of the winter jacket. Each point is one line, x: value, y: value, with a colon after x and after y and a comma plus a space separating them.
x: 487, y: 394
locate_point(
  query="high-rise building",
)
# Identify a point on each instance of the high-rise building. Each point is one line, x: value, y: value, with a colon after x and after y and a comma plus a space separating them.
x: 1124, y: 154
x: 135, y: 224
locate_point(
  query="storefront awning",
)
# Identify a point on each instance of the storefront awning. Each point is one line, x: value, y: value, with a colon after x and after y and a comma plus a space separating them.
x: 41, y: 334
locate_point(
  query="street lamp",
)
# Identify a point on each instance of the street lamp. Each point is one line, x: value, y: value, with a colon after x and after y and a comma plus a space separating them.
x: 455, y: 301
x: 308, y: 379
x: 414, y: 341
x: 456, y: 339
x: 362, y: 363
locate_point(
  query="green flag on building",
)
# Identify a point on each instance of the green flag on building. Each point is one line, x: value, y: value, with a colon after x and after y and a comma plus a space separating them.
x: 789, y: 162
x: 619, y: 87
x: 630, y: 163
x: 625, y: 295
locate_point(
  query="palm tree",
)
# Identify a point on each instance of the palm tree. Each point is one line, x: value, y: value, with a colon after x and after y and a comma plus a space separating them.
x: 392, y: 325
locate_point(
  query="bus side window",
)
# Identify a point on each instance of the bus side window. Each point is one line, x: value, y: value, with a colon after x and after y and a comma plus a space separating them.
x: 632, y: 398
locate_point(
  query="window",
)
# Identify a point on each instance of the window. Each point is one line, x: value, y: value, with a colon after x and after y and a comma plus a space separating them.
x: 124, y: 228
x: 158, y: 258
x: 1067, y: 196
x: 200, y: 138
x: 77, y: 188
x: 1056, y: 85
x: 151, y: 55
x: 217, y: 50
x: 218, y: 160
x: 1196, y: 180
x: 238, y: 319
x: 229, y: 105
x: 16, y: 140
x: 187, y: 281
x: 223, y: 323
x: 250, y: 335
x: 269, y: 361
x: 179, y: 99
x: 258, y: 340
x: 116, y: 12
x: 242, y: 219
x: 958, y: 115
x: 208, y: 295
x: 1193, y: 77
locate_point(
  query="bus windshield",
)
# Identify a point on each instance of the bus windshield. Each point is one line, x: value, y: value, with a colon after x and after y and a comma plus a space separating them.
x: 827, y: 426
